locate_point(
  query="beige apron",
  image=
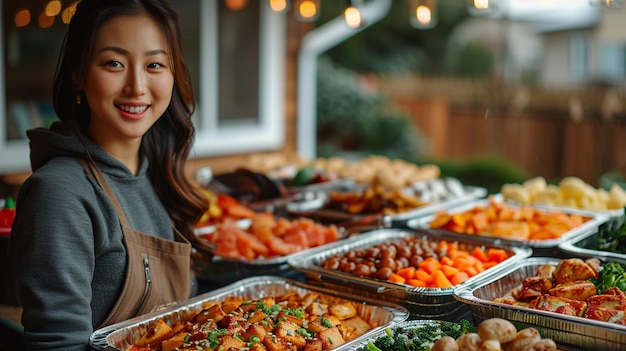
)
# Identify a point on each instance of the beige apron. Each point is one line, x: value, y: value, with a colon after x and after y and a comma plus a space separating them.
x: 158, y: 270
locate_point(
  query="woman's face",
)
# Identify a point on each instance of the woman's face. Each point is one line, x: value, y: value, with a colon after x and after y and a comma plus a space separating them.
x: 129, y: 81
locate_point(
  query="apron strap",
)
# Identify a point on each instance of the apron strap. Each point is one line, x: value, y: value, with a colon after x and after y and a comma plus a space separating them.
x: 95, y: 172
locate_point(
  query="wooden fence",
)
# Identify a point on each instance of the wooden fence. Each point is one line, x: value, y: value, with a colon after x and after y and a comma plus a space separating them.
x: 546, y: 133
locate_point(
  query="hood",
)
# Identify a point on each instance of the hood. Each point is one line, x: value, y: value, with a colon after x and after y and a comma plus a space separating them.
x: 62, y: 139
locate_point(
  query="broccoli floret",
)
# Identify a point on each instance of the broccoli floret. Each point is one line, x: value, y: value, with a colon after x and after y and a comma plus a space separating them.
x: 400, y: 339
x: 385, y: 343
x: 420, y: 338
x: 455, y: 330
x: 427, y: 332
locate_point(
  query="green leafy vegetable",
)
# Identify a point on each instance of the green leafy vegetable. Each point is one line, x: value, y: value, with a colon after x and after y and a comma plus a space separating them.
x: 613, y: 274
x: 611, y: 235
x: 419, y: 338
x: 371, y: 347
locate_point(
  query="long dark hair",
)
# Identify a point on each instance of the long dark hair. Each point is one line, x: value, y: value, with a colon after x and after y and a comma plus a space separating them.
x: 168, y: 142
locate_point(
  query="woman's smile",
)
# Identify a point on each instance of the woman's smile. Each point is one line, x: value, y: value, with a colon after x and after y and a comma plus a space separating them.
x: 133, y: 112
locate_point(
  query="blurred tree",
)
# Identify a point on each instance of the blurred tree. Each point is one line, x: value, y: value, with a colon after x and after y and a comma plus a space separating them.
x: 473, y: 59
x: 351, y: 118
x: 392, y: 45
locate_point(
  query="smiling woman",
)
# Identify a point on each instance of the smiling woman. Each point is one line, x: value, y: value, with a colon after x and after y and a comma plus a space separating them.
x: 236, y: 60
x: 108, y: 185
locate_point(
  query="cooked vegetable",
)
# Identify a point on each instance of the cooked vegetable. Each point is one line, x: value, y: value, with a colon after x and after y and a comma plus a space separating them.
x: 611, y: 235
x: 571, y: 192
x: 285, y: 322
x: 612, y: 275
x: 497, y: 329
x: 501, y: 219
x: 269, y: 236
x: 419, y: 338
x: 524, y: 340
x: 489, y: 338
x: 469, y: 342
x: 419, y: 262
x: 445, y: 343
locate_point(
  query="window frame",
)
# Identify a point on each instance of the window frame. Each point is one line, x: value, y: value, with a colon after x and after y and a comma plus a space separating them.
x: 213, y: 139
x: 14, y: 154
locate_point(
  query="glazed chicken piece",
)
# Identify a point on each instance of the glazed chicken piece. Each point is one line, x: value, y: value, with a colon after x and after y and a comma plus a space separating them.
x: 533, y: 287
x: 560, y: 305
x: 571, y: 270
x: 594, y: 263
x: 508, y: 299
x: 545, y: 271
x: 615, y: 302
x: 579, y: 290
x: 605, y: 315
x: 613, y: 291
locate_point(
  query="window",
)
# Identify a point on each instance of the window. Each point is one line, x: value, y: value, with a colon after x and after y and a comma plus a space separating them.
x: 613, y: 62
x: 579, y: 56
x: 236, y: 59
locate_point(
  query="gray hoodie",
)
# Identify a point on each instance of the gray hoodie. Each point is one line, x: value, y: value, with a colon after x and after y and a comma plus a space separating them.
x: 66, y: 244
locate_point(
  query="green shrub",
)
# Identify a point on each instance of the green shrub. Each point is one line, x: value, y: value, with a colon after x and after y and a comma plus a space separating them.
x: 349, y: 118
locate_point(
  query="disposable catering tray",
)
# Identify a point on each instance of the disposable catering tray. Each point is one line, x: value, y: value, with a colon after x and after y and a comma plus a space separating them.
x: 569, y: 331
x: 222, y: 270
x: 359, y: 343
x: 608, y: 213
x: 315, y: 208
x: 581, y: 246
x: 121, y: 335
x: 429, y: 303
x: 540, y: 247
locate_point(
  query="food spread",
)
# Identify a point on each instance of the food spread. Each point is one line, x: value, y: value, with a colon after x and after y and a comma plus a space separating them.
x: 286, y: 322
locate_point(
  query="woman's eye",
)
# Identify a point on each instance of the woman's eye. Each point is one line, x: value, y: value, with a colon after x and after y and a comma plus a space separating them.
x: 155, y: 65
x: 114, y: 64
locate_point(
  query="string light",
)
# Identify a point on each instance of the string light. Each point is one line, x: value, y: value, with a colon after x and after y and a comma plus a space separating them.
x: 278, y: 5
x: 68, y: 13
x: 307, y: 10
x: 423, y: 13
x: 22, y: 18
x: 482, y: 7
x: 235, y: 5
x: 607, y: 3
x: 45, y: 21
x: 352, y: 14
x: 53, y: 8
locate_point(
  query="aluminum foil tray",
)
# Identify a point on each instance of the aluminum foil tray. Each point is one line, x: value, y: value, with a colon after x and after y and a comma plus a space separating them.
x: 225, y: 270
x: 608, y: 213
x: 432, y: 303
x: 569, y: 331
x: 315, y: 208
x: 359, y: 343
x: 324, y: 186
x: 579, y: 246
x: 596, y: 219
x: 470, y: 193
x: 119, y: 336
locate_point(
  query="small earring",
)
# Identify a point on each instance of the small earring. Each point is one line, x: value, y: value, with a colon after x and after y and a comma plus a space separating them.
x: 78, y: 101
